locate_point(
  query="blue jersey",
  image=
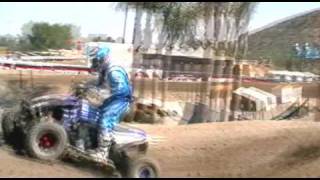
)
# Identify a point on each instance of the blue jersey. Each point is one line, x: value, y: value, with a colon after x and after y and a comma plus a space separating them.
x: 116, y: 78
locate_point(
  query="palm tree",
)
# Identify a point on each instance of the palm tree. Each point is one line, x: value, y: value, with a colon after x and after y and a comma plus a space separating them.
x: 125, y: 24
x: 225, y: 28
x: 207, y: 42
x: 225, y: 31
x: 243, y: 14
x: 177, y: 20
x: 137, y: 34
x: 173, y: 20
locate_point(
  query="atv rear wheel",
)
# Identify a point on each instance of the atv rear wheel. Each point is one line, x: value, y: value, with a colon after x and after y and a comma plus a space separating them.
x: 46, y: 141
x: 143, y: 167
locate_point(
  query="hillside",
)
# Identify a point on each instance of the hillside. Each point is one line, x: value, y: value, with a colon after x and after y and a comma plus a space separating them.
x: 277, y: 41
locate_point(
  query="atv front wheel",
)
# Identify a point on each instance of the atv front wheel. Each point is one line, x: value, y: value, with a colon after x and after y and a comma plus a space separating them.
x: 46, y: 141
x: 143, y: 167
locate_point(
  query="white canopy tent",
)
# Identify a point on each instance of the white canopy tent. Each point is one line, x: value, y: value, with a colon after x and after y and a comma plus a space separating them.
x: 272, y: 99
x: 261, y: 103
x: 262, y: 99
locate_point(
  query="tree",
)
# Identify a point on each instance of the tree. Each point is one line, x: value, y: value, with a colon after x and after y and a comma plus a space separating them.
x: 110, y: 39
x: 23, y: 43
x: 136, y: 40
x: 42, y: 36
x: 175, y: 21
x: 231, y: 33
x: 45, y: 36
x: 9, y: 42
x: 225, y: 30
x: 75, y: 31
x: 125, y: 24
x: 97, y: 39
x: 119, y: 40
x: 225, y: 26
x: 15, y: 43
x: 100, y: 39
x: 140, y: 8
x: 26, y: 28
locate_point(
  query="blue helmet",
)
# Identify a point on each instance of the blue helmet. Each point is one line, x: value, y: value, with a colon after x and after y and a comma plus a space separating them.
x: 97, y: 54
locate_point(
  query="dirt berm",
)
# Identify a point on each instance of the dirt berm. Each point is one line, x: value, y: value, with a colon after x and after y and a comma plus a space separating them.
x: 231, y: 149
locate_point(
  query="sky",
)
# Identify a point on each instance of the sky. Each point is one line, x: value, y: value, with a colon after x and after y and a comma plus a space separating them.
x: 102, y: 18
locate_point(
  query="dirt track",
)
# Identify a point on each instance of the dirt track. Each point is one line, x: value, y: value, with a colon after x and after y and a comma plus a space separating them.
x: 232, y: 149
x: 240, y: 149
x: 15, y: 166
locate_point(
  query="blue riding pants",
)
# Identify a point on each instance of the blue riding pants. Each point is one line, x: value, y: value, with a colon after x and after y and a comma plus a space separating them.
x: 112, y: 110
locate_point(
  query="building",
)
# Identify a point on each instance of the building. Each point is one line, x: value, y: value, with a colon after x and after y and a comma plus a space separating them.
x: 287, y: 93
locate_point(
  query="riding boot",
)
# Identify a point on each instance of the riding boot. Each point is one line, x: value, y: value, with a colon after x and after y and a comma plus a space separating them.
x: 101, y: 153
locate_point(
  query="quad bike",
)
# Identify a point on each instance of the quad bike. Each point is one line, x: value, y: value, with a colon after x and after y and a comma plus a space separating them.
x: 49, y: 128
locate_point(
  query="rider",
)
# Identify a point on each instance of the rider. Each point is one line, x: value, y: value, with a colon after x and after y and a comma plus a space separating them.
x: 113, y: 108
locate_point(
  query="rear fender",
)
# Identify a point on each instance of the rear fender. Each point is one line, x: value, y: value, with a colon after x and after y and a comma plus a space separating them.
x: 133, y: 150
x: 49, y: 97
x: 130, y: 139
x: 42, y: 105
x: 48, y: 100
